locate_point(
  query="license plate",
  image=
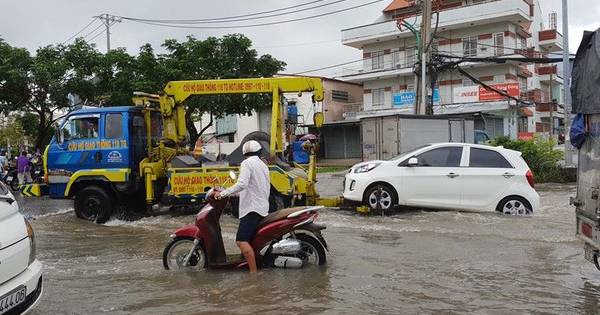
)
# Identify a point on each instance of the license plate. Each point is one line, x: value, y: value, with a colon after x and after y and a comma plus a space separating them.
x: 589, y: 252
x: 12, y: 299
x: 9, y: 179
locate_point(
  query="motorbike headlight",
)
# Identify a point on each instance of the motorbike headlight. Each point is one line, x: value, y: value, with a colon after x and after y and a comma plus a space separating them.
x: 32, y: 247
x: 366, y: 167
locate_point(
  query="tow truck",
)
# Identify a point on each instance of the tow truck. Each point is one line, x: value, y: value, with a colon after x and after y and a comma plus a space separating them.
x: 133, y: 157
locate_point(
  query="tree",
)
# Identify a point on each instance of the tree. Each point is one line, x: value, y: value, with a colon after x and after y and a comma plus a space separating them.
x: 228, y: 57
x: 41, y: 84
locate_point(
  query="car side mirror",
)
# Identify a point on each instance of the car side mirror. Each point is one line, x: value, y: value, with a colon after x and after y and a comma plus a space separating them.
x: 413, y: 161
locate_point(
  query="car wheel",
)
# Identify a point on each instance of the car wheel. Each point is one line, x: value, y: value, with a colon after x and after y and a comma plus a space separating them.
x: 515, y: 205
x: 381, y: 198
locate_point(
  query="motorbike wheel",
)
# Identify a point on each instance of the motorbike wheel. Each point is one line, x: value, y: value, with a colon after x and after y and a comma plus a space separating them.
x: 176, y: 251
x: 311, y: 250
x: 14, y: 184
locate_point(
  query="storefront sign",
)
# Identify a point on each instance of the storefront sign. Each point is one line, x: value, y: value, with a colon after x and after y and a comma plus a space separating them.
x: 401, y: 99
x: 511, y: 89
x: 465, y: 94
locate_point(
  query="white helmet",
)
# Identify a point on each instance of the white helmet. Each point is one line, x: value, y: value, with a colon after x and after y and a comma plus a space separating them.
x: 251, y: 146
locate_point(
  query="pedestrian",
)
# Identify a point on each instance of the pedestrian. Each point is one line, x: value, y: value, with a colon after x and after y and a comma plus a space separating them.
x: 3, y: 161
x: 23, y: 169
x: 254, y: 187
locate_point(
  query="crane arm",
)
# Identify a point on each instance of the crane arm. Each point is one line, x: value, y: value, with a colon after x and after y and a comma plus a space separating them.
x: 176, y: 92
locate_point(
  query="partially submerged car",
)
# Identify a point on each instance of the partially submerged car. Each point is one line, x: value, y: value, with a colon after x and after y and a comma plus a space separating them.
x: 457, y: 176
x: 20, y: 271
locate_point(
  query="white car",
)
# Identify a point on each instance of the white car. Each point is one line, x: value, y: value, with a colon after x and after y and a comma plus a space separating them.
x: 20, y: 271
x: 446, y: 176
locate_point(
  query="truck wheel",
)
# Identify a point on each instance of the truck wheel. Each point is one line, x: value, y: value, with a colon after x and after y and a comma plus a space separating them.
x: 93, y: 204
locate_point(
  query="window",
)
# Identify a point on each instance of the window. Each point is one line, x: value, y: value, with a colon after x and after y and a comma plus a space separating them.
x: 396, y: 63
x: 377, y: 60
x: 410, y: 87
x: 378, y: 95
x: 499, y: 44
x: 339, y: 96
x: 411, y: 55
x: 113, y: 126
x: 468, y: 82
x: 488, y: 159
x: 81, y: 128
x: 523, y: 124
x: 441, y: 157
x: 470, y: 46
x: 522, y: 84
x: 522, y: 42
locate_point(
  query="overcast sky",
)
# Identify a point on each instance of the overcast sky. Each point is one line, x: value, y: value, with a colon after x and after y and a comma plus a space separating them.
x: 303, y: 45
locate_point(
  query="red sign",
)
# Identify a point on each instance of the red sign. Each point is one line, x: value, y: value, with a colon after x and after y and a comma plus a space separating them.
x: 511, y: 89
x: 525, y: 136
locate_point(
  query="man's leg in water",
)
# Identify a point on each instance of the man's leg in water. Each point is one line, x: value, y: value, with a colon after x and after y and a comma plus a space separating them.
x: 248, y: 253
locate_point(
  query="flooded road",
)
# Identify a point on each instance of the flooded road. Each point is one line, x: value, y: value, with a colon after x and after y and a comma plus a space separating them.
x: 413, y: 262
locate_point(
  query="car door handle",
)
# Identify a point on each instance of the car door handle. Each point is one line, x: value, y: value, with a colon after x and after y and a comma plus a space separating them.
x: 508, y: 175
x: 452, y: 175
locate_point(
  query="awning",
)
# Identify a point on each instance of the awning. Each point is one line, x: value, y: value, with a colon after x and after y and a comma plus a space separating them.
x: 398, y: 4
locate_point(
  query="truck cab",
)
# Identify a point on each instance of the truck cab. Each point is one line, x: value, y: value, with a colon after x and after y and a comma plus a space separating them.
x: 96, y: 151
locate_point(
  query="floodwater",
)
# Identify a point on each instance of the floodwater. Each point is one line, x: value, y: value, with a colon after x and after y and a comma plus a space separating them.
x: 413, y: 262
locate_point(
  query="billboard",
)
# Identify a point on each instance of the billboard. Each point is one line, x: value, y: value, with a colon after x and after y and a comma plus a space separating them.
x: 465, y: 94
x: 402, y: 99
x: 476, y: 93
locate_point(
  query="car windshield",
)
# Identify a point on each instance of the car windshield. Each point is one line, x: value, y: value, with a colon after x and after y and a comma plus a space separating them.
x: 408, y: 153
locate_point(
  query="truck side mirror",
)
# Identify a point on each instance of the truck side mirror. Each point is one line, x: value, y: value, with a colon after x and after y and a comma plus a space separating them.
x: 412, y: 162
x: 58, y: 134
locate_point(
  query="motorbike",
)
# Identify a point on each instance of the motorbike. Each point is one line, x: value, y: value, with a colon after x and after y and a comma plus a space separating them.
x: 287, y: 238
x: 10, y: 178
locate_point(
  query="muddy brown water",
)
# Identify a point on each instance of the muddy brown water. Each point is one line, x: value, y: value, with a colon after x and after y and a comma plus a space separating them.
x: 425, y: 262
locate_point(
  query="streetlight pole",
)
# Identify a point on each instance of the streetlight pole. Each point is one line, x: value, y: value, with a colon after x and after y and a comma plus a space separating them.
x: 567, y: 82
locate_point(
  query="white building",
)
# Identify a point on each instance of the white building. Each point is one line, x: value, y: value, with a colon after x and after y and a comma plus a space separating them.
x: 466, y: 28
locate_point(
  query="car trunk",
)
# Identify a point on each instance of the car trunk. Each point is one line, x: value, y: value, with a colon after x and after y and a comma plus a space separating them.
x: 14, y: 244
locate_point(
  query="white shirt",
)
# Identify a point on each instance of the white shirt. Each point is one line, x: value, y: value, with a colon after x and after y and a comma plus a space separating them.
x: 254, y: 187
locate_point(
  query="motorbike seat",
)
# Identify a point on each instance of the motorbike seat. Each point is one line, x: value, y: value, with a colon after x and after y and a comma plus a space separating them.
x: 278, y: 215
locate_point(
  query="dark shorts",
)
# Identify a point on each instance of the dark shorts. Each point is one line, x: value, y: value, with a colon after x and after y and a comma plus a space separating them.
x: 248, y: 226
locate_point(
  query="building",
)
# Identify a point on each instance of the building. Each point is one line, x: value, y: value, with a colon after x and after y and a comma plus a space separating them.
x: 466, y: 28
x: 340, y: 138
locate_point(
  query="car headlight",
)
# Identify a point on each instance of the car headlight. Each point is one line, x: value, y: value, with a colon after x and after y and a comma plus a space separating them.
x: 32, y: 248
x: 366, y: 167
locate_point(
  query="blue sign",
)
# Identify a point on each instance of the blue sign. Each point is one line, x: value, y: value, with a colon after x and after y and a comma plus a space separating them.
x: 401, y: 99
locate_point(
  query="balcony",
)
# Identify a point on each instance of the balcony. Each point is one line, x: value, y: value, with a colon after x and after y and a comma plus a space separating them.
x: 551, y: 40
x: 388, y: 69
x: 506, y: 11
x: 550, y: 73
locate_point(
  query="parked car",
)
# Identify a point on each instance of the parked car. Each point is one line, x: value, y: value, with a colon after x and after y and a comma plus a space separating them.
x: 446, y: 176
x: 20, y: 271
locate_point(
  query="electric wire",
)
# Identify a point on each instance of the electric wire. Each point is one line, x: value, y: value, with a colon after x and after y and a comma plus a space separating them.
x: 81, y: 30
x: 93, y: 31
x: 240, y: 19
x: 182, y: 21
x: 258, y: 24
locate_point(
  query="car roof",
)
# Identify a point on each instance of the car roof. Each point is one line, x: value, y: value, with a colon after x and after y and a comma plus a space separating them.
x: 472, y: 145
x: 95, y: 110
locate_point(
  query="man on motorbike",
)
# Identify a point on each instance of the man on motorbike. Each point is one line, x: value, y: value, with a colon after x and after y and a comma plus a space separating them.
x: 254, y: 187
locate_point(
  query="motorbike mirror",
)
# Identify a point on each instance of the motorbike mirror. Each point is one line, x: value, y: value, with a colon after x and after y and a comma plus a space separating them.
x: 232, y: 175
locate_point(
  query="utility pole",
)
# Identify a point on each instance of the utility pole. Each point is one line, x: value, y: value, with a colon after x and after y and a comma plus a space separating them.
x: 567, y: 82
x: 425, y: 39
x: 551, y: 105
x: 108, y: 20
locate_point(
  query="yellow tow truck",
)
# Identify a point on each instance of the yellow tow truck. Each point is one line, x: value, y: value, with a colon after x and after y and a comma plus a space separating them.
x: 128, y: 156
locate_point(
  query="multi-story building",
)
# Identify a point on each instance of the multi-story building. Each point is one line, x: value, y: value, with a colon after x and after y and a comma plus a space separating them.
x: 466, y: 28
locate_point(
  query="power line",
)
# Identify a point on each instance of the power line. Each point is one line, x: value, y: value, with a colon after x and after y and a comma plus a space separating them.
x: 259, y: 24
x: 329, y: 67
x: 81, y: 30
x: 93, y: 31
x: 229, y: 17
x: 235, y: 20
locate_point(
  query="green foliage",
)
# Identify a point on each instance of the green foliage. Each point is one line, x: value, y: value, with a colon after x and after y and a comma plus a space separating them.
x: 13, y: 134
x: 540, y: 155
x: 39, y: 84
